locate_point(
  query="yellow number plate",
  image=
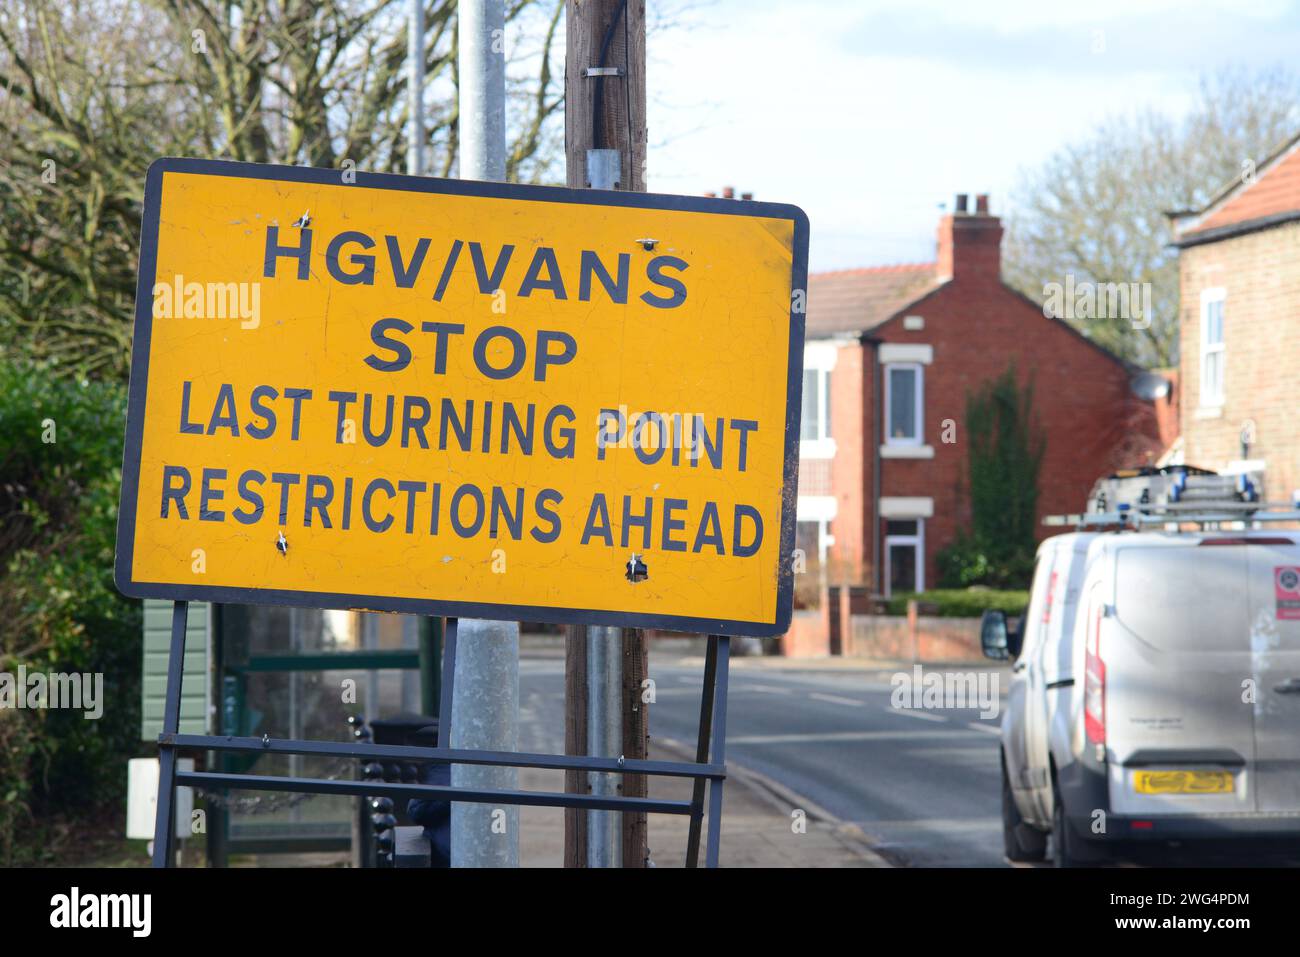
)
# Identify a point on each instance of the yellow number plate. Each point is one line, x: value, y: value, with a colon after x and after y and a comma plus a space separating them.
x: 1183, y: 782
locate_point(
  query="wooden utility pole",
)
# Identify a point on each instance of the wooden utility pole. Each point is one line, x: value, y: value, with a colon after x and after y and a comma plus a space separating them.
x: 621, y: 120
x: 604, y: 109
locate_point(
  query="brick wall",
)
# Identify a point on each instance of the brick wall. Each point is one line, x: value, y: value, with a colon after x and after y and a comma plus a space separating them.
x: 925, y: 639
x: 1260, y: 273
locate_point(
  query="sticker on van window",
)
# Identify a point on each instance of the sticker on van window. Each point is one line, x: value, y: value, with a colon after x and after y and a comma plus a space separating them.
x: 1286, y: 589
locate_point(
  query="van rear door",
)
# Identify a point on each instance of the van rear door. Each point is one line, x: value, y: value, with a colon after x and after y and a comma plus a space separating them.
x: 1175, y: 651
x: 1275, y: 670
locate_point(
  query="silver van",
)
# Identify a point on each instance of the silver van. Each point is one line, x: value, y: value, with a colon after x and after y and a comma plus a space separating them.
x: 1155, y: 693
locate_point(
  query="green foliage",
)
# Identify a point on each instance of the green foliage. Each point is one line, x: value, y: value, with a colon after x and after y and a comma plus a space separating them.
x: 1004, y: 457
x: 962, y: 563
x: 60, y: 470
x: 964, y: 602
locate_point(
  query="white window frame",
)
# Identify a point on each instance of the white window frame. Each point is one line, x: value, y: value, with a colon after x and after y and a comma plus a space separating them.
x: 1209, y: 297
x: 918, y: 398
x: 918, y: 543
x: 822, y: 384
x: 820, y: 359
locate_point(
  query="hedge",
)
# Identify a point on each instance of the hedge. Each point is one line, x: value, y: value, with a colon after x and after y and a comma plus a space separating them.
x: 964, y: 602
x: 60, y: 470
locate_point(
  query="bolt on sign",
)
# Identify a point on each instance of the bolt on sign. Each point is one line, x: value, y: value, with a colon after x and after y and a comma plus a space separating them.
x: 369, y: 391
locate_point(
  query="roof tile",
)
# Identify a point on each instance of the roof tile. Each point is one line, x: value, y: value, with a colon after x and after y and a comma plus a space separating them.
x: 856, y: 300
x: 1275, y: 191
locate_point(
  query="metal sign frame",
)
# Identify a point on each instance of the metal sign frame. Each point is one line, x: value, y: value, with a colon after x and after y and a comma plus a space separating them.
x: 124, y: 573
x: 709, y: 767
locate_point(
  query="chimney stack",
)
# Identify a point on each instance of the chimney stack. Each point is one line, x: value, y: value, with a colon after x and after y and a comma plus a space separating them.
x: 728, y: 192
x: 970, y: 245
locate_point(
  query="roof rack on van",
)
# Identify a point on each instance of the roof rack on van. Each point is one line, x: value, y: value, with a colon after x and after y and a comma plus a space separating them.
x: 1160, y: 485
x: 1179, y: 513
x: 1175, y: 495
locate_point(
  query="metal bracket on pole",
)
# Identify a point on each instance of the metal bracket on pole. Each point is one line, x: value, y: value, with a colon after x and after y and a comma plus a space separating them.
x: 604, y: 167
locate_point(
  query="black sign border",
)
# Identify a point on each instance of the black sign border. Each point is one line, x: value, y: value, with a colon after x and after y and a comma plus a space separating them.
x: 123, y: 573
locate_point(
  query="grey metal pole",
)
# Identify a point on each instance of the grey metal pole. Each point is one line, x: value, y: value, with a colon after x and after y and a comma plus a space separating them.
x: 485, y: 715
x: 415, y: 64
x: 604, y: 656
x: 485, y: 693
x: 604, y: 740
x: 482, y: 64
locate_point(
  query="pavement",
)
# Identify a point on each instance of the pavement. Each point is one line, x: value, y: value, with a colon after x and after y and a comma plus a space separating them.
x: 763, y: 824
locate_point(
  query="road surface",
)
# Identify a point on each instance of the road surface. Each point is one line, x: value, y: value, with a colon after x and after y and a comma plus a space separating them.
x: 923, y: 784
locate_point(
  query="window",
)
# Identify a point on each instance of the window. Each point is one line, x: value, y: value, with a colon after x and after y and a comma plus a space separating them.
x: 807, y: 537
x: 813, y: 538
x: 903, y: 403
x: 904, y: 556
x: 816, y: 414
x: 1212, y: 347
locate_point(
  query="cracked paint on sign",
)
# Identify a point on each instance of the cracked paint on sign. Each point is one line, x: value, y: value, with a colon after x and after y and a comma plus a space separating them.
x: 371, y: 290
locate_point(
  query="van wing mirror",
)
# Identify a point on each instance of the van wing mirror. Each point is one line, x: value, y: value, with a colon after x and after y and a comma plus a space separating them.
x: 1015, y: 636
x: 995, y: 638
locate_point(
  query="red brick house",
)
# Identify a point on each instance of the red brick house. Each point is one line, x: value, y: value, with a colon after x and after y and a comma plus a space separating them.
x: 1239, y: 267
x: 892, y: 354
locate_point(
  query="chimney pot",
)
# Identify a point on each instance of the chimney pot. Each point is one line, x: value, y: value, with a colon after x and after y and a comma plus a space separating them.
x: 746, y: 195
x: 728, y: 192
x: 969, y: 246
x: 711, y: 194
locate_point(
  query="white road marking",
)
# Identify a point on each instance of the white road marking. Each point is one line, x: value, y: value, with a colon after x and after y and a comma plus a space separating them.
x: 966, y: 753
x: 835, y: 699
x: 937, y: 824
x: 986, y: 728
x: 924, y: 716
x: 760, y: 689
x: 829, y: 736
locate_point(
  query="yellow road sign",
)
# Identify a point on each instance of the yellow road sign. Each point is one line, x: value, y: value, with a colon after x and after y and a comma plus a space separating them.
x: 404, y: 394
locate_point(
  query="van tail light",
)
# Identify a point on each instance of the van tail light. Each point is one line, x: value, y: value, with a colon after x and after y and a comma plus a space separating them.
x: 1094, y: 685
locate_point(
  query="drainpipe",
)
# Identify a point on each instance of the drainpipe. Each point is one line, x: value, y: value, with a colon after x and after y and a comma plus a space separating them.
x: 877, y: 416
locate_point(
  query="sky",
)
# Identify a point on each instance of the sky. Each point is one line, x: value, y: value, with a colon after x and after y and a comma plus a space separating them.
x: 873, y: 114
